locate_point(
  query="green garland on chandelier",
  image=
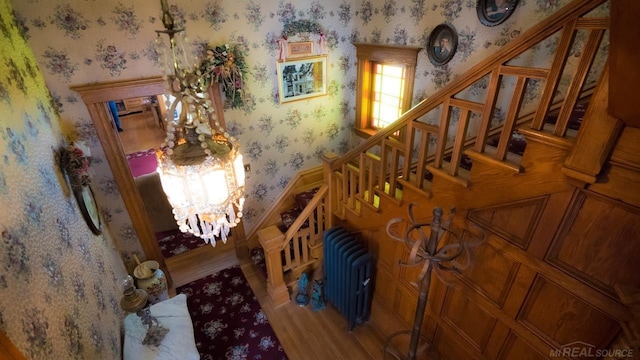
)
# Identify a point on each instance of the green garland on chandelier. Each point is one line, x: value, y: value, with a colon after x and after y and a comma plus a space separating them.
x: 226, y: 65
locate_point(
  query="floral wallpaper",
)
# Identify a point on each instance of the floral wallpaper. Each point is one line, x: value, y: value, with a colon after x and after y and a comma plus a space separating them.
x: 59, y: 292
x: 77, y: 42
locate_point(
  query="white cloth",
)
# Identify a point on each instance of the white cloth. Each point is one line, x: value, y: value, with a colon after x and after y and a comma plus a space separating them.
x: 179, y: 343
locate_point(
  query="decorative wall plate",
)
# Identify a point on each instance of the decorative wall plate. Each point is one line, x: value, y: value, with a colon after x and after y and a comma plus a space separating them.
x: 89, y: 208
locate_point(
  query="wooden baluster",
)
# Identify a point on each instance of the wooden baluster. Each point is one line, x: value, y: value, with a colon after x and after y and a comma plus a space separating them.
x: 551, y: 83
x: 331, y: 200
x: 442, y: 134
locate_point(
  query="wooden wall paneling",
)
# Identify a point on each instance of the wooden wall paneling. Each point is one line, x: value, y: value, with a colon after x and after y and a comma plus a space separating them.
x: 467, y: 319
x: 405, y: 305
x: 450, y: 346
x: 517, y: 348
x: 593, y: 243
x: 430, y: 324
x: 496, y: 340
x: 559, y: 317
x: 550, y: 220
x: 491, y: 274
x: 385, y: 288
x: 515, y: 221
x: 519, y: 290
x: 593, y: 296
x: 384, y: 249
x: 506, y: 317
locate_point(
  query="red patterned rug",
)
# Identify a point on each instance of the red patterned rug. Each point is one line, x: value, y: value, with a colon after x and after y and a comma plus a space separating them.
x: 142, y: 162
x: 174, y: 242
x: 228, y: 321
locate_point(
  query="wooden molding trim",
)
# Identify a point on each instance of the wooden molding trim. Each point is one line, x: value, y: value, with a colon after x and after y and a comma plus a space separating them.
x: 9, y: 351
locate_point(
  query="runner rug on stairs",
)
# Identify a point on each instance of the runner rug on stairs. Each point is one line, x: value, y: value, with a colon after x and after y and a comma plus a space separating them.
x: 228, y: 321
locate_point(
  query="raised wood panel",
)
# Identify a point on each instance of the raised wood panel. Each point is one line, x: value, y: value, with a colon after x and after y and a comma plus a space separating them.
x: 405, y: 305
x: 516, y: 348
x: 491, y: 273
x: 597, y: 242
x: 467, y: 318
x: 560, y: 318
x: 384, y: 249
x: 515, y: 221
x: 385, y: 288
x: 450, y: 348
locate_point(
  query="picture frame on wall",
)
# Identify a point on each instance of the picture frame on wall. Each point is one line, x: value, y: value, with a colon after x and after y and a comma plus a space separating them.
x: 442, y: 44
x: 300, y: 48
x: 302, y: 78
x: 495, y: 12
x: 89, y: 208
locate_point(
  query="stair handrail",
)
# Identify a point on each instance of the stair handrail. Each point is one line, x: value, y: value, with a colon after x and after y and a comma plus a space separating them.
x: 308, y: 210
x: 274, y: 242
x: 535, y: 34
x: 286, y: 192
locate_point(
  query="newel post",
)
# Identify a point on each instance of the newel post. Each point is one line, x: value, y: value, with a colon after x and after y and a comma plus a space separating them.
x: 271, y: 239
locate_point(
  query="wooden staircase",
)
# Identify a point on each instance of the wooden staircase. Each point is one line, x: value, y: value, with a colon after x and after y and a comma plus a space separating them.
x: 544, y: 278
x: 409, y: 154
x: 292, y: 245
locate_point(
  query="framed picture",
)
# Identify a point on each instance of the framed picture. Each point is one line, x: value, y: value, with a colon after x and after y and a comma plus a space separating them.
x: 88, y: 208
x: 302, y: 48
x: 302, y: 78
x: 442, y: 44
x: 494, y: 12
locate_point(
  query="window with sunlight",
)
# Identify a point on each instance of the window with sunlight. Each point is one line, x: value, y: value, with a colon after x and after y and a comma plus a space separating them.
x: 388, y: 85
x: 384, y: 85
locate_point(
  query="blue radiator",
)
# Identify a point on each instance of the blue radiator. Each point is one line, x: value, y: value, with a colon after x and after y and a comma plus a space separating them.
x: 347, y: 275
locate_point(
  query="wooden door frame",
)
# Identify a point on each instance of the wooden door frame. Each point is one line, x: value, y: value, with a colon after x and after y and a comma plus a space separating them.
x: 95, y: 97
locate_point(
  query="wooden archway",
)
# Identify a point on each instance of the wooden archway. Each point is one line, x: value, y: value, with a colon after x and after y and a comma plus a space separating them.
x: 95, y: 97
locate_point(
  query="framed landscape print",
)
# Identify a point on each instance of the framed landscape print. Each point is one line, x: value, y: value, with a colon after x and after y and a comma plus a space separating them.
x: 302, y: 78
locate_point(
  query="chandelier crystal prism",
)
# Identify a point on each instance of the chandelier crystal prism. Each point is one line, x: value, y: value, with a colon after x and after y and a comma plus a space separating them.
x: 200, y: 166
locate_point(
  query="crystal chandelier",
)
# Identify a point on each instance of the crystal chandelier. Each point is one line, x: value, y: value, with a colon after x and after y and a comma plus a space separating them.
x: 201, y: 170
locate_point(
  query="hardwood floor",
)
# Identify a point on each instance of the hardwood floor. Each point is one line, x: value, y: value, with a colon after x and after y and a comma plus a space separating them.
x: 141, y: 131
x: 304, y: 334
